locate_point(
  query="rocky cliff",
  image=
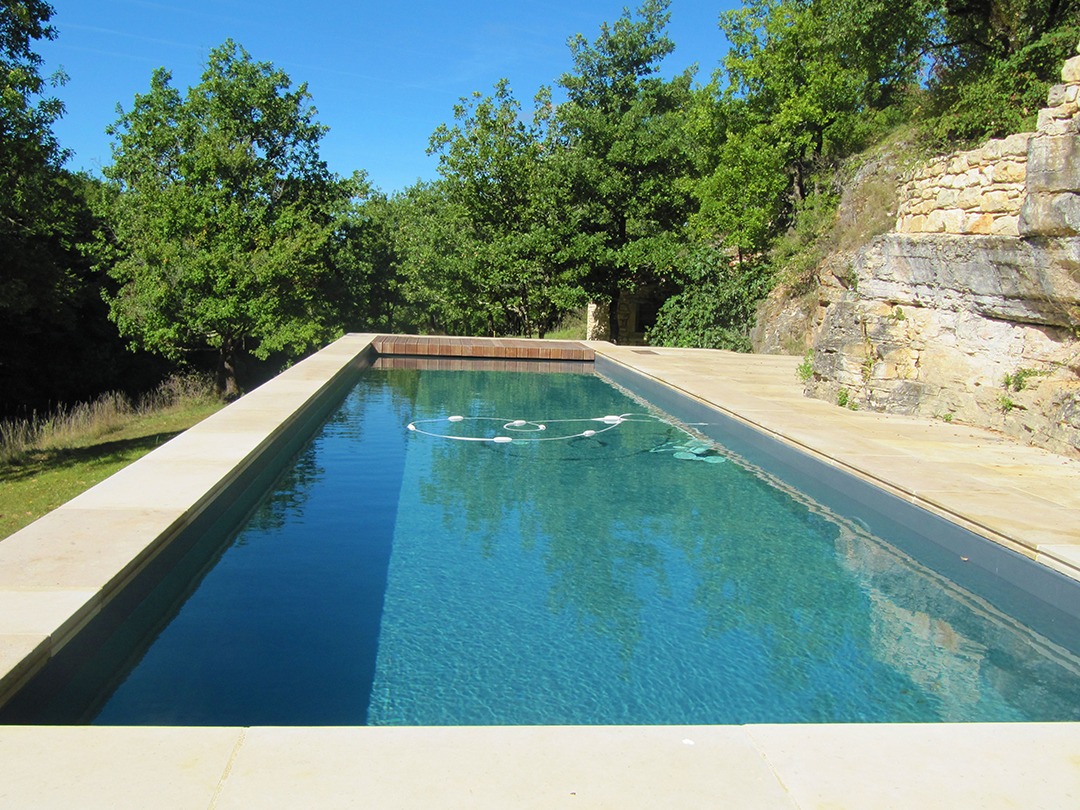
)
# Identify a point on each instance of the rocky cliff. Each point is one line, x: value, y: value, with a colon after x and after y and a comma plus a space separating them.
x: 970, y: 308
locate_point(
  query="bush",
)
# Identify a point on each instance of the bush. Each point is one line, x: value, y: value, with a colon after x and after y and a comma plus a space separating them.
x: 716, y: 306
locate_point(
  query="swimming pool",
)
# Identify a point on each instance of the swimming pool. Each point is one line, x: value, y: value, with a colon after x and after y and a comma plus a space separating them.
x: 639, y: 575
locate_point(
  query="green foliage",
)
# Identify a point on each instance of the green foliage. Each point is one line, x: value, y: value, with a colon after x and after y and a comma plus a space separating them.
x: 50, y: 295
x: 716, y: 306
x: 504, y: 176
x: 798, y: 251
x: 626, y: 155
x: 1018, y: 380
x: 805, y: 369
x: 440, y: 293
x: 744, y: 199
x: 845, y: 400
x: 366, y: 287
x: 222, y: 222
x: 1004, y: 94
x: 810, y: 73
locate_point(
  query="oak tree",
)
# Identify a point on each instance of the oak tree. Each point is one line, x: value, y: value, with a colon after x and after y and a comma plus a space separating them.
x: 224, y: 214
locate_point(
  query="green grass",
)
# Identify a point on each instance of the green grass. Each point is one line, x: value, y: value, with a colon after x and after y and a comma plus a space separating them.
x: 60, y: 461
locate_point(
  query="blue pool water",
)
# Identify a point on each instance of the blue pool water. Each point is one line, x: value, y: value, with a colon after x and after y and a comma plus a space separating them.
x: 641, y: 574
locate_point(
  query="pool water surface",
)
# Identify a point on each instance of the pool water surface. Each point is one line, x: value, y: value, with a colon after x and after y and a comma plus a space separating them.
x: 607, y: 565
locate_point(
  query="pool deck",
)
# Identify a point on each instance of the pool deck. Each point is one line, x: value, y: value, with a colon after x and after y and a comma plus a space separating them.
x: 56, y: 573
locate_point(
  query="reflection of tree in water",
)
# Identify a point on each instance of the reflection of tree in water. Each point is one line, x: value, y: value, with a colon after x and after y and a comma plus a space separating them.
x: 602, y: 532
x: 620, y: 519
x: 292, y: 490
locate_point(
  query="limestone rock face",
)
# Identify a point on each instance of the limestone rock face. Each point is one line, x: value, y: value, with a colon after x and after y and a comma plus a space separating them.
x: 937, y: 323
x: 971, y: 309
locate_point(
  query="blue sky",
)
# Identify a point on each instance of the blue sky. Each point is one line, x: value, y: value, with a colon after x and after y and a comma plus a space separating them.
x: 382, y: 75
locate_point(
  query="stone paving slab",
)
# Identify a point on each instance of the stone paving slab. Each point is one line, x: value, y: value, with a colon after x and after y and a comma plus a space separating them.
x: 88, y: 767
x: 504, y: 767
x: 986, y: 766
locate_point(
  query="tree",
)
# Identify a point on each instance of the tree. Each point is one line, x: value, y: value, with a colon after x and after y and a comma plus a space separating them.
x: 223, y: 221
x: 50, y: 300
x: 497, y: 168
x: 438, y: 285
x: 994, y: 61
x: 811, y: 72
x: 742, y: 202
x: 33, y: 278
x: 626, y: 155
x: 366, y: 288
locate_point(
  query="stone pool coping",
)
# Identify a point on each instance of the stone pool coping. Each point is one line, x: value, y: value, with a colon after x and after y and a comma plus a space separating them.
x: 56, y: 574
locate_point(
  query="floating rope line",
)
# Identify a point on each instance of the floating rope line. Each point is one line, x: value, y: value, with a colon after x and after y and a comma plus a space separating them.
x: 552, y: 429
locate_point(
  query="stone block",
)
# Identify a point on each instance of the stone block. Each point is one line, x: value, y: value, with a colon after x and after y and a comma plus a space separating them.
x: 1009, y: 171
x: 1061, y: 126
x: 1054, y: 164
x: 1050, y: 214
x: 975, y: 177
x: 918, y: 223
x: 995, y: 202
x: 1055, y: 96
x: 969, y: 198
x: 935, y: 222
x: 1049, y: 114
x: 1005, y: 226
x: 1070, y: 71
x: 1017, y: 145
x: 953, y: 221
x: 1072, y: 92
x: 977, y: 224
x: 993, y: 149
x: 947, y: 197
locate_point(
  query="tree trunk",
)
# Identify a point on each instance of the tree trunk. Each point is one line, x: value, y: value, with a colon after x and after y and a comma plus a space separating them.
x: 225, y: 380
x: 613, y: 316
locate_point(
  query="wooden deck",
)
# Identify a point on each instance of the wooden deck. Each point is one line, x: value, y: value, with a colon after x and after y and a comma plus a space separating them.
x: 487, y: 348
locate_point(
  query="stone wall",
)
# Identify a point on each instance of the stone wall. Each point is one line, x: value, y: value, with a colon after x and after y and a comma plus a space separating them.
x: 975, y: 192
x: 971, y: 310
x: 995, y: 189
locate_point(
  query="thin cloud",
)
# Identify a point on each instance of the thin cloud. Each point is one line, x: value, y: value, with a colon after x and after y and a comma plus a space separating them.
x: 136, y: 37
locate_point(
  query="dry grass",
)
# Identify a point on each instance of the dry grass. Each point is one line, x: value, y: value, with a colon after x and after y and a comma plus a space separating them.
x: 84, y: 423
x: 47, y: 461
